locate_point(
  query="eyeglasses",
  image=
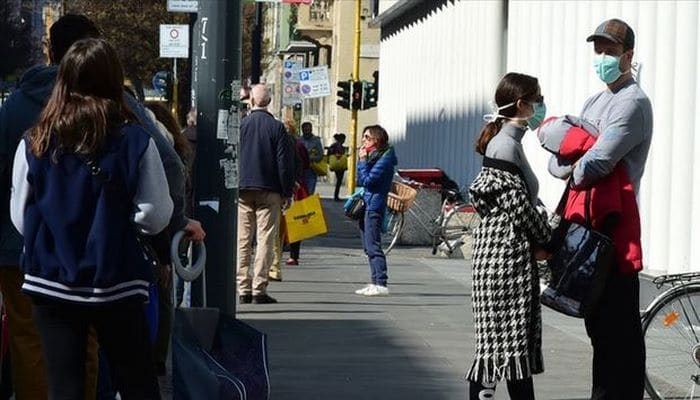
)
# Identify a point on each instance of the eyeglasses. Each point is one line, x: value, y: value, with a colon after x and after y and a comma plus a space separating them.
x: 538, y: 99
x: 367, y: 137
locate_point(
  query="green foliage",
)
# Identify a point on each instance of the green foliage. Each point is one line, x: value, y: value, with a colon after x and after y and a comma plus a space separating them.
x: 15, y: 42
x: 132, y: 26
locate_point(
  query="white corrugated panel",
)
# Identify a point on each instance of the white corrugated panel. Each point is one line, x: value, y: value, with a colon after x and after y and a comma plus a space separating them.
x: 438, y: 73
x: 435, y: 80
x: 547, y: 39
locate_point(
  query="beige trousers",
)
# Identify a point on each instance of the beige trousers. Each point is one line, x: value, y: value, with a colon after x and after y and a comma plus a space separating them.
x: 259, y: 214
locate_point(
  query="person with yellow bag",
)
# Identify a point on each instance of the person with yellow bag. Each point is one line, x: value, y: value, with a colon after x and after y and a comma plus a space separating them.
x: 338, y: 162
x: 317, y: 160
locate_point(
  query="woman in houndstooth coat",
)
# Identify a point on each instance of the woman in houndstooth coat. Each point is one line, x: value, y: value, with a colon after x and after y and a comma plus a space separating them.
x: 505, y: 284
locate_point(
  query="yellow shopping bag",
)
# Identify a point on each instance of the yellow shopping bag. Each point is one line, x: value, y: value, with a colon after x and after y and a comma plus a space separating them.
x: 304, y: 219
x: 320, y: 167
x: 338, y: 162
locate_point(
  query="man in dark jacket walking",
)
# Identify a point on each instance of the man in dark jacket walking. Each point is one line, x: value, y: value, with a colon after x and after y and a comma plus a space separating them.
x: 266, y: 182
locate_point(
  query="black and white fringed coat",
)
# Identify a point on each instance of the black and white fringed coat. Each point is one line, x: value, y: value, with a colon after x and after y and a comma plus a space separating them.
x: 505, y: 284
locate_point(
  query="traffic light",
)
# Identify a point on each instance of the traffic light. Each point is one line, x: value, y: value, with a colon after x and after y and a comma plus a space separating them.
x: 357, y: 87
x: 370, y: 95
x: 344, y: 94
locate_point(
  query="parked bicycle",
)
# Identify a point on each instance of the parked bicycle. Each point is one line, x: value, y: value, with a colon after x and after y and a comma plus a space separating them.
x: 671, y: 325
x: 446, y: 230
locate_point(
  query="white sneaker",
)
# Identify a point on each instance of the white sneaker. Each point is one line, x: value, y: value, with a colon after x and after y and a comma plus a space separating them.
x: 364, y: 289
x: 377, y: 290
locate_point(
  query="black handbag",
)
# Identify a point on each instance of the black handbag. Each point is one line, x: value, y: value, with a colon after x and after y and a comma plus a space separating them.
x: 581, y: 259
x: 354, y: 207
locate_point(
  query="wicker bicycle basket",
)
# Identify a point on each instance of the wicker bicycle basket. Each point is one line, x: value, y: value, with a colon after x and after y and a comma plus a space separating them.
x: 401, y: 196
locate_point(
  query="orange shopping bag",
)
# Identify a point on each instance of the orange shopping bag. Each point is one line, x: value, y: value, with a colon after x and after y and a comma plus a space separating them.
x: 305, y: 219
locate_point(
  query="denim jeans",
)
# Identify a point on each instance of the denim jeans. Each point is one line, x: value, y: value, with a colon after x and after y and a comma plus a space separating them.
x: 371, y: 231
x: 310, y: 178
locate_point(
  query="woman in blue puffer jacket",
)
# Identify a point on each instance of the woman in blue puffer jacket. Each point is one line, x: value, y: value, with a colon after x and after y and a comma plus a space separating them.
x: 375, y: 171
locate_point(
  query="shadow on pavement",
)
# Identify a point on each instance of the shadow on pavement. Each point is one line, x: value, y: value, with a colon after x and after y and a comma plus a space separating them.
x: 349, y: 359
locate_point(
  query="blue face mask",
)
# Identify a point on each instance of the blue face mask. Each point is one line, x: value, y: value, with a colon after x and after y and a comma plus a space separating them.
x: 607, y: 67
x: 540, y: 111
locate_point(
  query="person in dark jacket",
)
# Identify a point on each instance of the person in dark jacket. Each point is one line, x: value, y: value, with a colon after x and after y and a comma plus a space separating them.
x: 79, y: 198
x: 338, y: 162
x: 18, y: 114
x: 375, y: 171
x: 266, y: 181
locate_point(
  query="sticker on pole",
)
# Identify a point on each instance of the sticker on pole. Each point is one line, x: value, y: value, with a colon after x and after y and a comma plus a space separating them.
x: 313, y: 82
x: 174, y: 41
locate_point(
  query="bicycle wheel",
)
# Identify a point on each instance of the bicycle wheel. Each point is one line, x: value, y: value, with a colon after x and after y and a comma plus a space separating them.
x: 393, y: 231
x: 453, y: 229
x: 672, y: 332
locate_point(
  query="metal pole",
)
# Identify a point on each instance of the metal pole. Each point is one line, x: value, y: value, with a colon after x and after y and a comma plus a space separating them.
x: 218, y: 50
x: 353, y: 121
x: 173, y: 106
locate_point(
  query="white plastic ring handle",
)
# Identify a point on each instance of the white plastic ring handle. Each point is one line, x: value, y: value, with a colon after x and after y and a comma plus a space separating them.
x: 192, y: 270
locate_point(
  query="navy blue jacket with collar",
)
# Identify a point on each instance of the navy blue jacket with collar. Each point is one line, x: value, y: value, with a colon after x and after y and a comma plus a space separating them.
x: 266, y: 158
x: 376, y: 174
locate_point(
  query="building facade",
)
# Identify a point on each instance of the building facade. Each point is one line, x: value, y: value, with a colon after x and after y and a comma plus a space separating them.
x: 441, y: 60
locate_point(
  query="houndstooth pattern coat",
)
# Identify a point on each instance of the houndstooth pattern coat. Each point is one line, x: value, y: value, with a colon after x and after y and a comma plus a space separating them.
x: 505, y: 284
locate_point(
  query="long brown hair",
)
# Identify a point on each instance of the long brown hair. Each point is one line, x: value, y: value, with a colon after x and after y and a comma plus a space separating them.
x: 165, y: 117
x: 86, y: 103
x: 512, y: 87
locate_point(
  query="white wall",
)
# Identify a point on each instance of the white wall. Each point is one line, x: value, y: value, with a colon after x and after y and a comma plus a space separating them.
x: 439, y: 73
x: 435, y: 80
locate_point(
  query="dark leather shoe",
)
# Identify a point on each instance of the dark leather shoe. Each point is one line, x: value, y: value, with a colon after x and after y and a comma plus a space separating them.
x: 245, y: 298
x: 263, y: 299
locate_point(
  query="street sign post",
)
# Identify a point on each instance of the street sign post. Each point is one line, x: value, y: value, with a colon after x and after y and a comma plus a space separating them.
x: 218, y: 44
x: 174, y: 41
x: 186, y: 6
x: 313, y: 82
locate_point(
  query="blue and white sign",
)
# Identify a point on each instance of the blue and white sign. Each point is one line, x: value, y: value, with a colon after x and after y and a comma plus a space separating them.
x: 291, y: 71
x: 313, y: 82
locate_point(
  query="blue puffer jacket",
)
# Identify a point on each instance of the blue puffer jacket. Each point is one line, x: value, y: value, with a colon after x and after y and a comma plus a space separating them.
x: 375, y: 175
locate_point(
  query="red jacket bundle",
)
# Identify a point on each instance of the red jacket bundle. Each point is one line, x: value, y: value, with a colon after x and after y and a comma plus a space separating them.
x: 611, y: 197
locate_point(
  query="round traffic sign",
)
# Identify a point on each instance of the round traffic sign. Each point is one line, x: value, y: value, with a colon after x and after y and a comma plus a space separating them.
x: 174, y: 33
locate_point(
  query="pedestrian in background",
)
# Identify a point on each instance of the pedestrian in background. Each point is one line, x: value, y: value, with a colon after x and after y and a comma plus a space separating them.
x: 266, y: 182
x: 315, y: 149
x: 623, y: 115
x: 85, y: 179
x: 505, y: 282
x: 19, y: 113
x: 338, y: 162
x: 375, y: 171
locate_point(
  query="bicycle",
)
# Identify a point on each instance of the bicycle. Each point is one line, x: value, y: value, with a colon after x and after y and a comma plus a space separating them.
x: 671, y: 326
x: 456, y: 218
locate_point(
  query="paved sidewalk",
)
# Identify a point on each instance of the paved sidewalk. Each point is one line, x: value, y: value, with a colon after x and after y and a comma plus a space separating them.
x: 325, y: 342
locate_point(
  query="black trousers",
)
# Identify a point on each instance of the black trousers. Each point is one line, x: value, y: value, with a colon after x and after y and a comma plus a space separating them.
x: 338, y: 183
x: 517, y: 390
x: 294, y: 249
x: 615, y: 330
x: 123, y: 338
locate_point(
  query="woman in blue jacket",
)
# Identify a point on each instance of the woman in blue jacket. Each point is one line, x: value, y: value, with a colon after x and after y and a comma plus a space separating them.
x: 85, y: 179
x: 375, y: 171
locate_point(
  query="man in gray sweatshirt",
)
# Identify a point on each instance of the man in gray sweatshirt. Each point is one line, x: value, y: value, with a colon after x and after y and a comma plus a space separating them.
x: 622, y: 114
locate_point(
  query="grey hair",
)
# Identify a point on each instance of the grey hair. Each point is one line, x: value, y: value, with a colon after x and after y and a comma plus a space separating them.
x: 260, y: 95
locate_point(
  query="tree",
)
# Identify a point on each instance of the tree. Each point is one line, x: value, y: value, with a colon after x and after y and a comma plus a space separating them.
x: 132, y: 26
x: 15, y: 39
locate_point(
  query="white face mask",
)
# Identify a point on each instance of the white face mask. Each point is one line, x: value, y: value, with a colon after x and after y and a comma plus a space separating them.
x: 533, y: 122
